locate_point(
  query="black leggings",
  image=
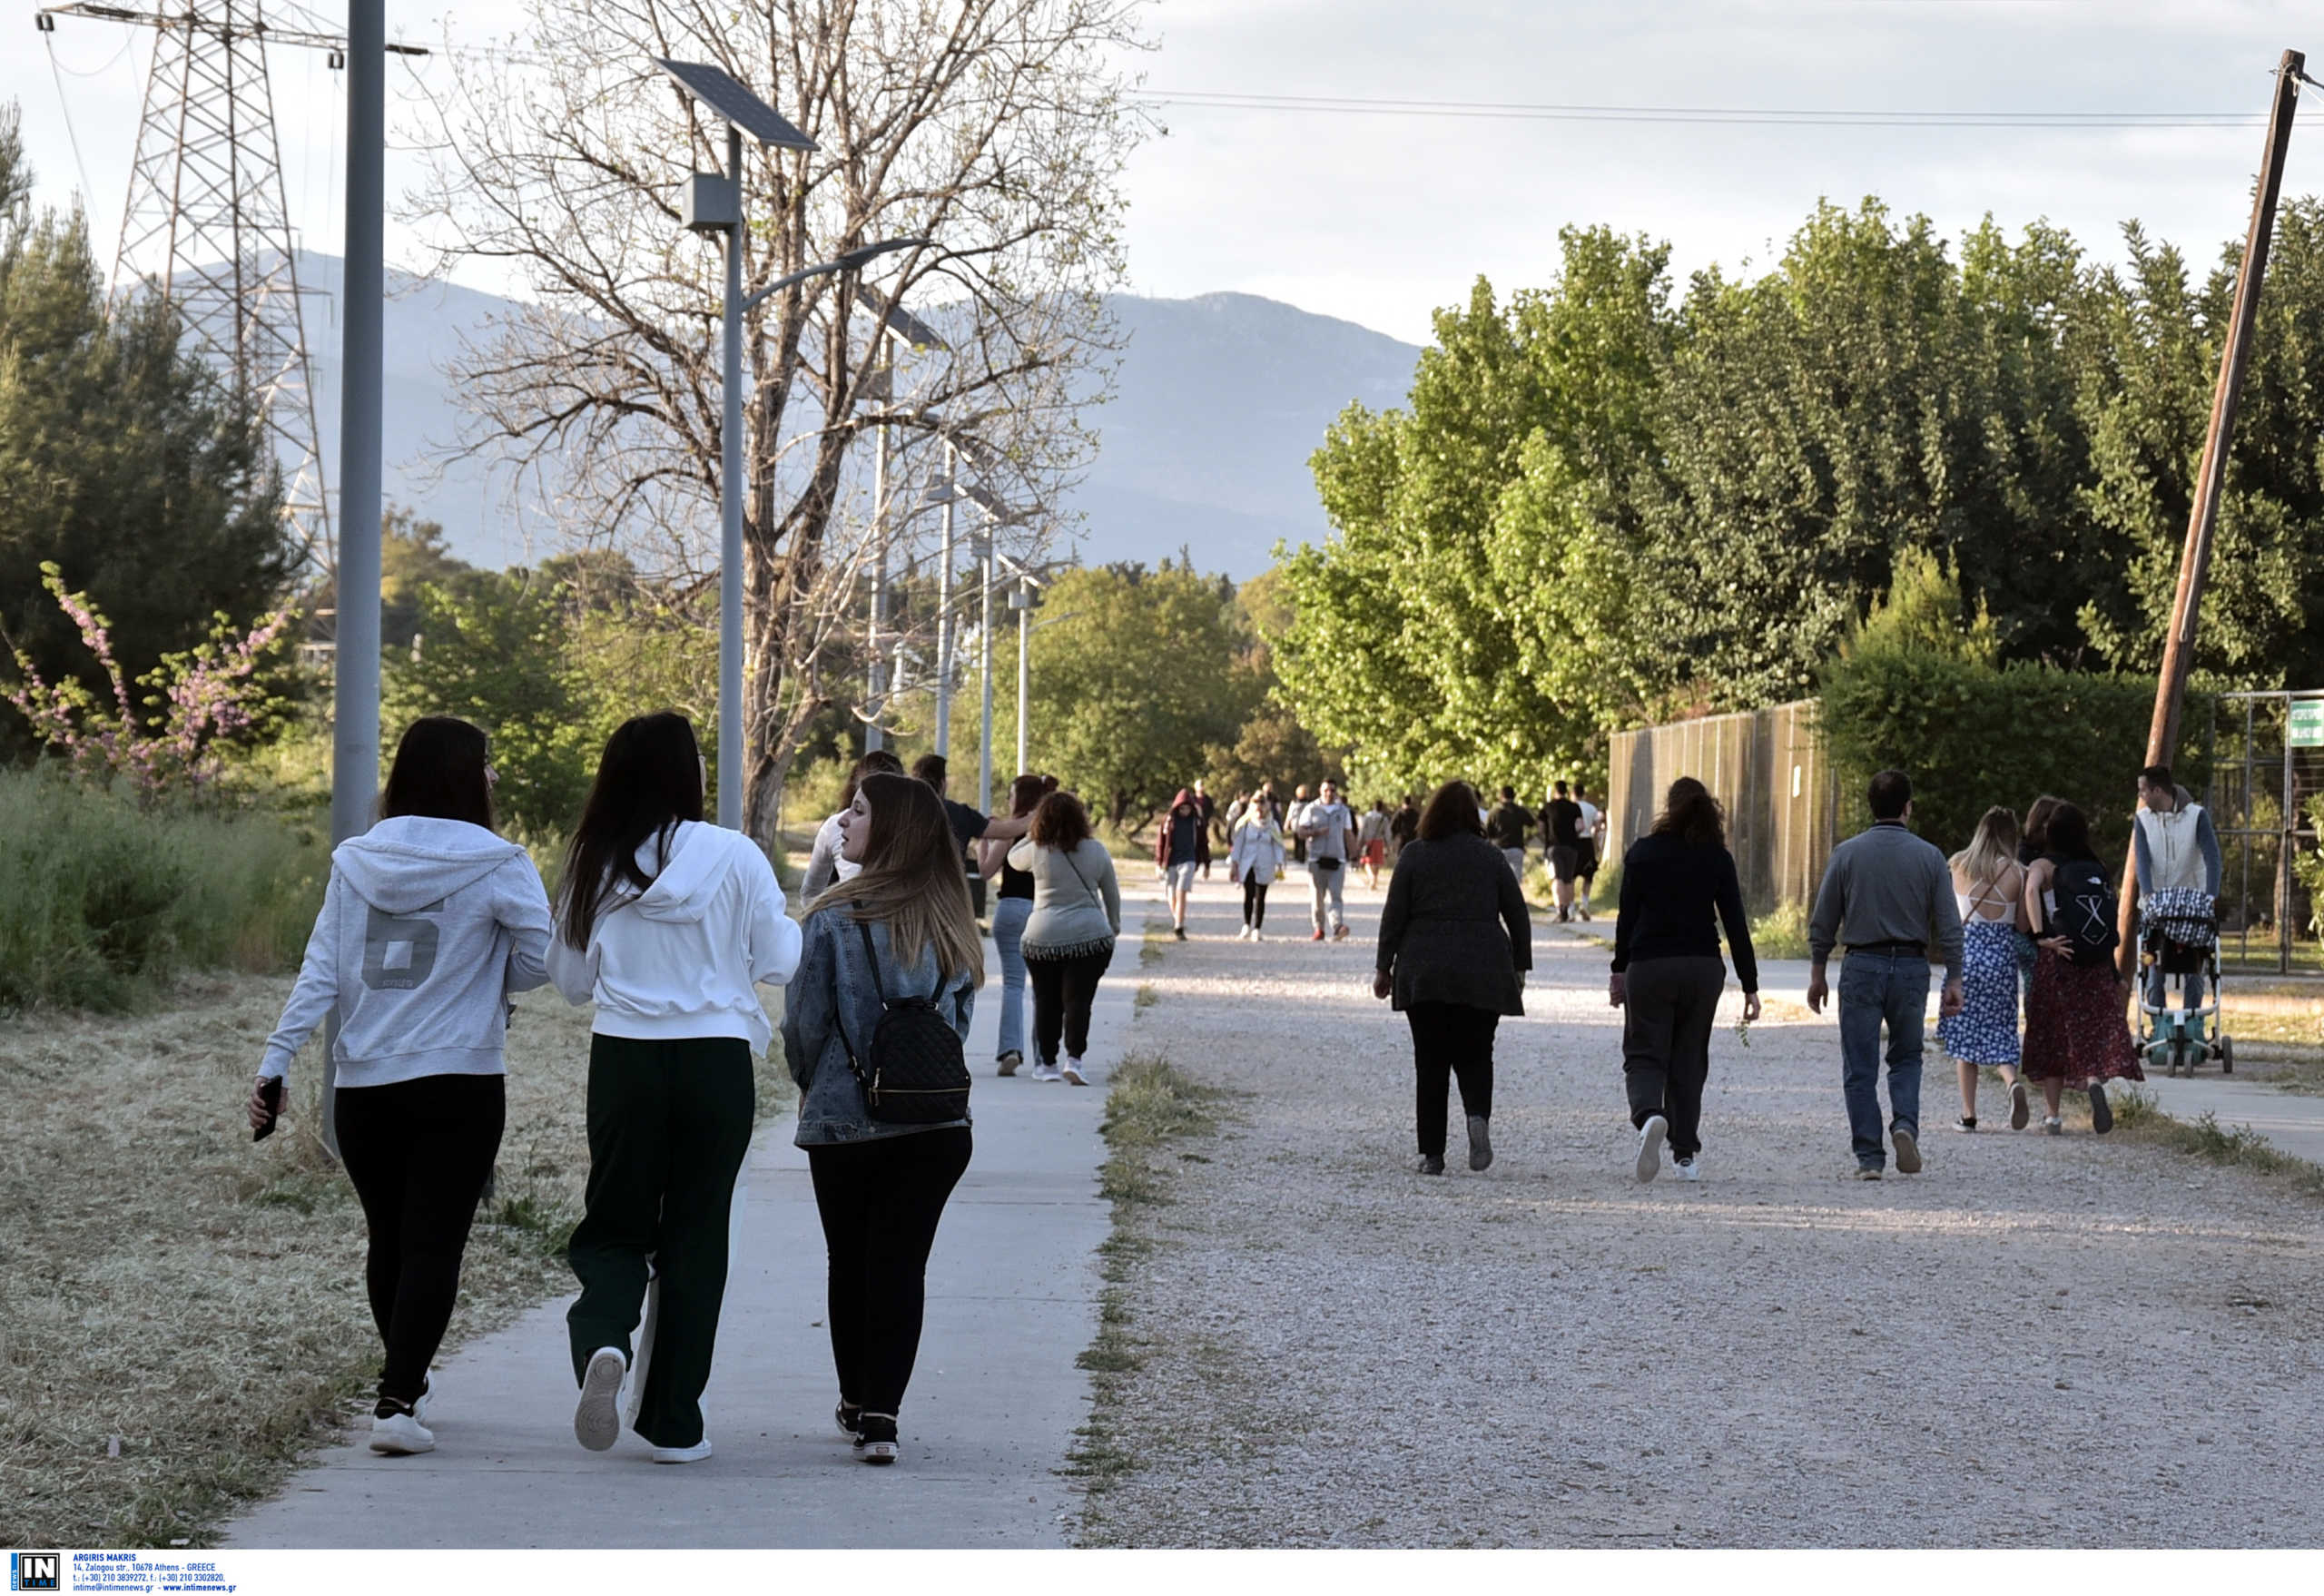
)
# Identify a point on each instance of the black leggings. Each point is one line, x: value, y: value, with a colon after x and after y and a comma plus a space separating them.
x: 881, y: 1201
x: 1063, y: 989
x: 1451, y: 1040
x: 1254, y: 902
x: 418, y: 1152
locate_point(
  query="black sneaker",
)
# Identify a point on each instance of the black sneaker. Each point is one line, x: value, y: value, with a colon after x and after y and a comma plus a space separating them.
x: 2102, y: 1116
x: 848, y: 1418
x: 1430, y: 1164
x: 1179, y: 932
x: 875, y: 1441
x: 1967, y: 1122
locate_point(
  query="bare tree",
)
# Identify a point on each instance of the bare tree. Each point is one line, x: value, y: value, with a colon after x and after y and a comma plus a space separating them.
x: 997, y: 128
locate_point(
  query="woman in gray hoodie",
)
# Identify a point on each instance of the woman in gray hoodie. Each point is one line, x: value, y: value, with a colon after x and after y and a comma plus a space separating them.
x: 429, y: 923
x: 901, y: 931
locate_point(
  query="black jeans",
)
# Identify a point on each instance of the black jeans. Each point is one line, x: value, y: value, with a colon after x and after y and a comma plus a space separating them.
x: 1254, y: 902
x: 1667, y: 1015
x: 669, y: 1124
x: 418, y: 1152
x: 881, y: 1201
x: 1063, y: 989
x: 1451, y: 1040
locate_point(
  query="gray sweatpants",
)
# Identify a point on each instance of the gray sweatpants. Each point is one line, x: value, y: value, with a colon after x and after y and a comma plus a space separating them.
x: 1329, y: 891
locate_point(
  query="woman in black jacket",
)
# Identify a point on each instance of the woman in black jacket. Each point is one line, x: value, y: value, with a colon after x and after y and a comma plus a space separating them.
x: 1666, y: 970
x: 1455, y: 941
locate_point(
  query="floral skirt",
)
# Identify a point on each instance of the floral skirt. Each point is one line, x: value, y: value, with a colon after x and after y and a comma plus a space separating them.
x: 2076, y: 1032
x: 1985, y: 1031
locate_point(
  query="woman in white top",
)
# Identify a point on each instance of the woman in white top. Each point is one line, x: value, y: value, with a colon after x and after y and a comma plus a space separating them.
x: 1256, y: 857
x: 668, y: 923
x: 1988, y: 883
x: 429, y: 921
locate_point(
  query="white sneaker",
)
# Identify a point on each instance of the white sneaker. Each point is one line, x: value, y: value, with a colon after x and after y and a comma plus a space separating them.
x: 1072, y: 1073
x: 401, y: 1435
x: 1257, y: 935
x: 683, y: 1454
x: 427, y: 1395
x: 1046, y: 1072
x: 596, y: 1420
x: 1687, y: 1169
x: 1649, y: 1145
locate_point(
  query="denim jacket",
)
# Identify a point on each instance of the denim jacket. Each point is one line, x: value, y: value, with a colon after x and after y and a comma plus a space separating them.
x: 833, y: 989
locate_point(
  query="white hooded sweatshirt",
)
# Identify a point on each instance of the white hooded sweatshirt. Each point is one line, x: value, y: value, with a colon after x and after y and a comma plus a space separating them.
x: 681, y: 960
x: 426, y: 926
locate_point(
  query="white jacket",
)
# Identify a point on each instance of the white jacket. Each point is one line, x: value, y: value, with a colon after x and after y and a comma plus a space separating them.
x: 682, y: 959
x: 1257, y: 849
x: 426, y: 926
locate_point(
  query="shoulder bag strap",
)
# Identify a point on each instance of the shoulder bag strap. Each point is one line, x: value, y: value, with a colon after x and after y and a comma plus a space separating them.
x: 872, y: 957
x: 1089, y: 891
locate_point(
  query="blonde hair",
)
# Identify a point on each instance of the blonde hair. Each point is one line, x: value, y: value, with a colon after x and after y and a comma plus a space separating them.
x: 912, y: 880
x: 1992, y: 850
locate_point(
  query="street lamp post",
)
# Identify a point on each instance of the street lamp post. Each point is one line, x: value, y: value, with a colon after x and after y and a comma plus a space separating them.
x: 984, y: 624
x: 944, y: 607
x: 1020, y: 600
x: 714, y: 204
x: 895, y: 322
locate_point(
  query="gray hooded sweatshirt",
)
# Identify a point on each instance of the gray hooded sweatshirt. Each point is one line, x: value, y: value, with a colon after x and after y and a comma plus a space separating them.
x: 426, y: 926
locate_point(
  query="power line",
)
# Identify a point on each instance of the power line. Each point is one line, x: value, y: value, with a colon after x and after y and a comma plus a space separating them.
x: 1728, y: 115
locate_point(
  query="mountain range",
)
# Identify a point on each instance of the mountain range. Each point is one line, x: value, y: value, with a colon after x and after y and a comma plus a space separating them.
x: 1219, y: 402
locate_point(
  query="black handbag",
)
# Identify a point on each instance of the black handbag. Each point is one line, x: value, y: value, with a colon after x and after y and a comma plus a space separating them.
x: 915, y: 1073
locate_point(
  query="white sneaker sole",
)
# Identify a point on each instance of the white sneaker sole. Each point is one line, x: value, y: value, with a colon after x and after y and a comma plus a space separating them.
x: 881, y: 1453
x: 1649, y: 1148
x: 683, y: 1454
x: 401, y: 1441
x: 596, y: 1418
x: 1072, y: 1077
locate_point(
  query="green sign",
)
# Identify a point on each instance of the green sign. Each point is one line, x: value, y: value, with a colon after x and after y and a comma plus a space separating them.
x: 2306, y: 728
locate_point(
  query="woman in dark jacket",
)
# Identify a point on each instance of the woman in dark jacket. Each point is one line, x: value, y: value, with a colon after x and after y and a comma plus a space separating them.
x: 1455, y: 941
x: 1668, y: 973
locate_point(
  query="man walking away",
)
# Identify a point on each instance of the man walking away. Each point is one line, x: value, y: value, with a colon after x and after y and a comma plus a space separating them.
x: 1403, y: 826
x: 1371, y: 841
x: 1297, y: 819
x: 2177, y: 852
x: 1593, y: 849
x: 1887, y: 896
x: 1561, y: 824
x: 1330, y: 830
x: 1508, y: 827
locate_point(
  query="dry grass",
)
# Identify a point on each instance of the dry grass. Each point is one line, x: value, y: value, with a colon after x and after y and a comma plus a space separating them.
x: 167, y: 1282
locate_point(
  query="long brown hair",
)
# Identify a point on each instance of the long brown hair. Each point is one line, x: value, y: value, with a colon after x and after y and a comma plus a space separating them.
x: 1453, y: 810
x: 1060, y: 821
x: 1691, y: 815
x: 911, y: 879
x: 1025, y: 794
x: 649, y: 780
x: 2037, y: 822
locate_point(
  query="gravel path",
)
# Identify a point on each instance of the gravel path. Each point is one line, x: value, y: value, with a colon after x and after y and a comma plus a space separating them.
x: 2037, y: 1341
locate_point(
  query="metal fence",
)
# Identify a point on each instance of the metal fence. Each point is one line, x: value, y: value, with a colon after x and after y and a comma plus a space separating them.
x: 1766, y: 765
x: 2267, y: 764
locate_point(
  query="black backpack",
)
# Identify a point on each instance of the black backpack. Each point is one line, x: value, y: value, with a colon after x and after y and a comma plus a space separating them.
x: 2085, y: 912
x: 916, y: 1073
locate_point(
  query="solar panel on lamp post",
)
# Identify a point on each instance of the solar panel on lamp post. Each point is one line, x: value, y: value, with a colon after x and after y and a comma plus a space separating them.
x: 713, y: 203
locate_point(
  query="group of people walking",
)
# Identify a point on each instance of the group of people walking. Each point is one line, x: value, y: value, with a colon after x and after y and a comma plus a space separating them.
x: 1265, y: 837
x: 2021, y: 909
x: 668, y: 924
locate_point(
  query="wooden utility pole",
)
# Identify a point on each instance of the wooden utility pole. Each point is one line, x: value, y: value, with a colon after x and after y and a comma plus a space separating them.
x: 2194, y: 562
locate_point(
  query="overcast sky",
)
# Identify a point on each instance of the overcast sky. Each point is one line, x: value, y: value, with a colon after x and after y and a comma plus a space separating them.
x: 1380, y: 218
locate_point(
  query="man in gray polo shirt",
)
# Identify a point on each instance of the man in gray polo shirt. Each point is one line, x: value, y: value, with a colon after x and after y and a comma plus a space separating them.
x: 1887, y: 895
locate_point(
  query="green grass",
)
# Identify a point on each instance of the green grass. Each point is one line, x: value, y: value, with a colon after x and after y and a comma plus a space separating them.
x: 1151, y: 1107
x: 2138, y: 1115
x: 104, y: 899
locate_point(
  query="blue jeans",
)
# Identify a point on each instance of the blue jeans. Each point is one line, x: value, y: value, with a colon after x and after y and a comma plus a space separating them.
x: 1877, y: 987
x: 1008, y: 918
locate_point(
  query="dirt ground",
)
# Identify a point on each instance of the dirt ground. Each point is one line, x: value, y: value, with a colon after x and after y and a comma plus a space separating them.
x: 2071, y: 1341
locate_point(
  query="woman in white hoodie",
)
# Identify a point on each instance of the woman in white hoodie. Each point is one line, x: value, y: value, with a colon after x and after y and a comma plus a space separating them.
x: 428, y: 923
x: 669, y: 924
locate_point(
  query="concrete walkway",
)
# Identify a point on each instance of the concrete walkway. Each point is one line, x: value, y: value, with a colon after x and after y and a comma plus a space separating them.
x: 2292, y: 1122
x: 995, y: 1401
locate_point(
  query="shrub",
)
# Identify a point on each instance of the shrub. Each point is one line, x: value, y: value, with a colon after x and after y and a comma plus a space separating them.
x: 103, y: 898
x: 1972, y: 735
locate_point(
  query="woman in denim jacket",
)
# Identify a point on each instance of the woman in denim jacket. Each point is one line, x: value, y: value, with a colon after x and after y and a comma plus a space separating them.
x: 880, y: 1187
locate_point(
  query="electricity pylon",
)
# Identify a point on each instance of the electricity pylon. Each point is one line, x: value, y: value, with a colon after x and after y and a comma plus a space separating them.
x: 206, y: 221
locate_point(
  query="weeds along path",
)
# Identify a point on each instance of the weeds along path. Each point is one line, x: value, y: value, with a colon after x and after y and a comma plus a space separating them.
x: 180, y: 1312
x: 2038, y: 1341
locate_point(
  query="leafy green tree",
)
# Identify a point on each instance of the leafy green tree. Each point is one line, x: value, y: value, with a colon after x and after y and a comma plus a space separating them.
x: 123, y: 460
x: 1143, y: 671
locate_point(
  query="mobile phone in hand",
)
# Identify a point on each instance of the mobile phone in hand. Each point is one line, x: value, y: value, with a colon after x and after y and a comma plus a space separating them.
x: 270, y: 1095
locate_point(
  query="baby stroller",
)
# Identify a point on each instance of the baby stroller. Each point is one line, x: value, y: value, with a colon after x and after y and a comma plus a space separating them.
x: 2179, y: 944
